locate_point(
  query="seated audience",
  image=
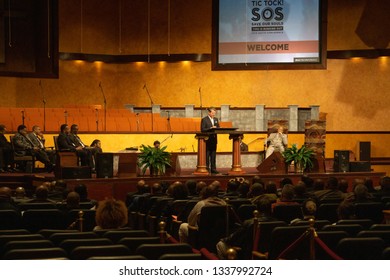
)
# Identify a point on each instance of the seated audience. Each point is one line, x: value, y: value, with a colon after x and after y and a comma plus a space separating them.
x: 41, y: 195
x: 286, y: 197
x: 309, y: 211
x: 6, y: 202
x: 20, y: 196
x: 82, y: 190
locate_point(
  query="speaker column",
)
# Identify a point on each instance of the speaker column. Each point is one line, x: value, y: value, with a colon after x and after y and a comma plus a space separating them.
x: 104, y: 165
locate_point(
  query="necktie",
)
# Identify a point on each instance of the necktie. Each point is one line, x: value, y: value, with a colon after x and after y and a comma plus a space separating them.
x: 39, y: 141
x: 80, y: 142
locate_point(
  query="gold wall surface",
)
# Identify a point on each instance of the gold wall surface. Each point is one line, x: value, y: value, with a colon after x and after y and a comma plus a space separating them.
x: 353, y: 92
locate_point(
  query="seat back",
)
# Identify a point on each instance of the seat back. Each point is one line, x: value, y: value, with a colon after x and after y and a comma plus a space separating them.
x: 365, y: 223
x: 57, y: 238
x: 49, y: 232
x: 89, y: 221
x: 287, y: 213
x: 351, y: 229
x: 245, y: 211
x: 384, y: 234
x: 14, y: 231
x: 134, y: 242
x: 213, y: 224
x: 328, y: 211
x: 86, y: 252
x: 116, y: 235
x: 70, y: 244
x: 155, y: 251
x: 369, y: 210
x: 4, y: 239
x: 331, y: 239
x: 188, y: 256
x: 361, y: 248
x: 37, y: 205
x: 318, y: 224
x: 37, y: 219
x: 282, y: 237
x: 30, y: 254
x: 10, y: 219
x: 27, y: 244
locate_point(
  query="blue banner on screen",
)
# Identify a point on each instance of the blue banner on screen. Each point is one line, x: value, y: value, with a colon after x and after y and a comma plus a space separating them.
x: 268, y: 31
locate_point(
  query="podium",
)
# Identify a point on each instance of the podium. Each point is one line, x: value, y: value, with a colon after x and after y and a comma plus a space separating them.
x: 235, y: 136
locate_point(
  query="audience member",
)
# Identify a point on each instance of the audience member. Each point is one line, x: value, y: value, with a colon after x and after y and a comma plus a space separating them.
x: 331, y: 190
x: 82, y: 190
x: 255, y: 190
x: 286, y: 198
x: 191, y: 186
x: 309, y: 211
x: 346, y: 210
x: 343, y: 186
x: 72, y: 202
x: 231, y: 189
x: 20, y: 196
x: 271, y: 191
x: 41, y: 195
x: 6, y: 200
x: 209, y: 198
x: 111, y: 214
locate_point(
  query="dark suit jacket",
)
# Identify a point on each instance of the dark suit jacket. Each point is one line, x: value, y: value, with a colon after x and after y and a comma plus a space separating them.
x: 4, y: 142
x: 64, y: 143
x: 205, y: 126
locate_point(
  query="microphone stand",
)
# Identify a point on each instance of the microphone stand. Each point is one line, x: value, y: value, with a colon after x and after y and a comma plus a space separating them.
x: 97, y: 119
x: 151, y: 104
x: 200, y: 97
x: 137, y: 116
x: 44, y: 105
x: 66, y: 116
x: 105, y: 106
x: 169, y: 122
x: 22, y: 116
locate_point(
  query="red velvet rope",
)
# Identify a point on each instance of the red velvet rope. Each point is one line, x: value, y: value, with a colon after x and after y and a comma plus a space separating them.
x: 293, y: 245
x: 327, y: 250
x: 207, y: 254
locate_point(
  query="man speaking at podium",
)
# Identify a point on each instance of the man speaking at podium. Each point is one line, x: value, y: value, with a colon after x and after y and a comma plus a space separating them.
x: 209, y: 122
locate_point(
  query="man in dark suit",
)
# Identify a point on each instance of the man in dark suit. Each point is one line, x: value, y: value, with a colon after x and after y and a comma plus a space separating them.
x: 24, y: 146
x: 6, y: 152
x: 64, y: 143
x: 76, y: 140
x: 209, y: 122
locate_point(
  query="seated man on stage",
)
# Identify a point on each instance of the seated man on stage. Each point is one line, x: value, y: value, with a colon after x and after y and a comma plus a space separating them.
x: 23, y: 146
x: 6, y: 152
x: 91, y: 151
x: 65, y: 144
x: 38, y: 140
x: 277, y: 141
x: 209, y: 122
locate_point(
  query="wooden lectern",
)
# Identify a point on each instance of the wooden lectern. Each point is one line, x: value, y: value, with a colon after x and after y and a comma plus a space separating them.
x: 201, y: 168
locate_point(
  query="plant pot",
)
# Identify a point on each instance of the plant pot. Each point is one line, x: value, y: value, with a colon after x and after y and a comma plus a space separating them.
x: 299, y: 168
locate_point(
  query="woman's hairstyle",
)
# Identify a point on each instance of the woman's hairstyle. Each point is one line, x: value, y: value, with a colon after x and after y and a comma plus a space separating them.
x: 95, y: 142
x: 111, y: 213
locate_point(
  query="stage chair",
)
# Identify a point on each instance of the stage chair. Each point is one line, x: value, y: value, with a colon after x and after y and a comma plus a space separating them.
x: 10, y: 219
x: 86, y: 252
x: 26, y: 163
x: 70, y: 244
x: 30, y: 254
x: 132, y: 243
x: 155, y: 251
x: 362, y: 248
x: 272, y: 127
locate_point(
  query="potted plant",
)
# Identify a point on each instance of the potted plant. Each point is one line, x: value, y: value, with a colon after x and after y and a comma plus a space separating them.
x: 302, y: 157
x: 156, y: 159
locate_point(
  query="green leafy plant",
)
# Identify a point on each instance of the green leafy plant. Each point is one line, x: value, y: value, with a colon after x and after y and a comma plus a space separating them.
x: 302, y: 157
x: 155, y: 159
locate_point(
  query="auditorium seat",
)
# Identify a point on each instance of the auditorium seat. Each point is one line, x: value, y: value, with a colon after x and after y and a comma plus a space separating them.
x: 70, y: 244
x: 189, y: 256
x: 30, y: 254
x: 49, y: 232
x: 4, y: 239
x: 365, y: 223
x: 351, y: 229
x: 27, y: 244
x: 331, y: 239
x: 86, y: 252
x: 245, y: 211
x: 37, y: 219
x: 37, y: 205
x: 369, y: 210
x: 57, y: 238
x: 318, y: 224
x: 132, y: 243
x: 361, y: 248
x: 287, y: 213
x: 384, y: 234
x: 116, y: 235
x: 328, y: 211
x: 10, y: 219
x: 283, y: 237
x: 386, y: 254
x: 14, y: 231
x: 89, y: 221
x: 155, y: 251
x: 125, y: 257
x: 380, y: 227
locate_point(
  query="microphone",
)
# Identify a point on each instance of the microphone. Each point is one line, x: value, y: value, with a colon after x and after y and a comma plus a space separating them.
x: 200, y: 89
x: 100, y: 84
x: 144, y: 86
x: 193, y: 149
